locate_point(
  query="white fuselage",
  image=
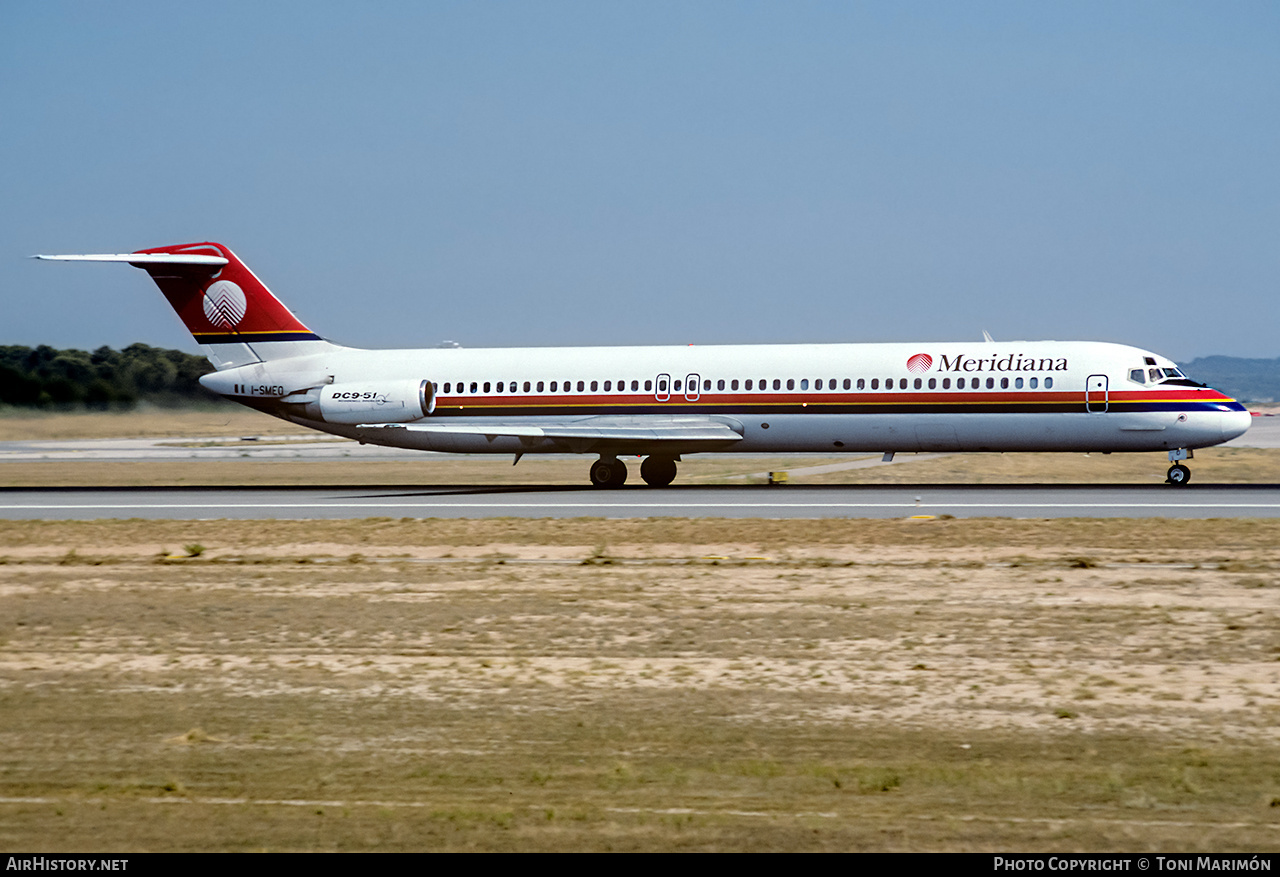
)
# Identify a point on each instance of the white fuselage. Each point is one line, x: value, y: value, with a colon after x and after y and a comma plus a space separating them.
x: 1017, y: 396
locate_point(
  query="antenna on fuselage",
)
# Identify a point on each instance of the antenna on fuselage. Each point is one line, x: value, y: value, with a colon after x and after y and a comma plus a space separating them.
x: 986, y: 336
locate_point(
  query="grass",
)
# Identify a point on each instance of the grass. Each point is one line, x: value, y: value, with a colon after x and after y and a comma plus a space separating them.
x: 143, y: 422
x: 640, y: 685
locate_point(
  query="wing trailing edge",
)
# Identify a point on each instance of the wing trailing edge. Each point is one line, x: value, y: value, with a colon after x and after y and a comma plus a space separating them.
x: 697, y: 432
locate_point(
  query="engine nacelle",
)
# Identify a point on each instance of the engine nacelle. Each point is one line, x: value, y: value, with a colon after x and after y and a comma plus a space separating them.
x: 374, y: 402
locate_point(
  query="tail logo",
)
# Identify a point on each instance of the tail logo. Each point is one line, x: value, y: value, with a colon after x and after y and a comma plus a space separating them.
x: 921, y: 362
x: 224, y: 304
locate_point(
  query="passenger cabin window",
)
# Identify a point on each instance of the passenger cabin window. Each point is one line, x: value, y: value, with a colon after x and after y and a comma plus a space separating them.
x: 539, y: 386
x: 875, y: 383
x: 733, y: 385
x: 991, y: 383
x: 817, y: 385
x: 581, y: 386
x: 648, y: 385
x: 1033, y: 382
x: 473, y: 386
x: 919, y: 383
x: 933, y: 383
x: 777, y: 384
x: 862, y: 383
x: 946, y: 383
x: 748, y: 385
x: 846, y: 383
x: 1017, y: 383
x: 1048, y: 383
x: 607, y: 385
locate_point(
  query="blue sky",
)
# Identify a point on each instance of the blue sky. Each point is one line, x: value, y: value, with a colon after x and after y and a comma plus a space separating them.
x: 545, y: 173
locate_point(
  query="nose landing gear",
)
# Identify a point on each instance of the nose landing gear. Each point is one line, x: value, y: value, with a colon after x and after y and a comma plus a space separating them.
x: 1178, y: 474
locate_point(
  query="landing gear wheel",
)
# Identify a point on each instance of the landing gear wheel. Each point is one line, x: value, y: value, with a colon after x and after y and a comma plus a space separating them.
x: 608, y: 473
x: 1179, y: 475
x: 658, y: 471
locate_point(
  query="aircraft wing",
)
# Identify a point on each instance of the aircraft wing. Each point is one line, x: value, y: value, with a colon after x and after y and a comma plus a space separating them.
x: 595, y: 433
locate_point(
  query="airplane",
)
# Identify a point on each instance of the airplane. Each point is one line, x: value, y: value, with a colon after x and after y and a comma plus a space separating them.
x: 662, y: 403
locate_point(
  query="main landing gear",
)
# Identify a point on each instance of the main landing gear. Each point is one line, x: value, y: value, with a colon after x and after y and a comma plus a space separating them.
x: 612, y: 472
x: 608, y: 472
x: 1178, y: 473
x: 658, y: 471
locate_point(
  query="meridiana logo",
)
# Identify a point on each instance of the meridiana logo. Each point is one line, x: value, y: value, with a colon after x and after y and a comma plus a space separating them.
x: 921, y: 362
x: 224, y: 304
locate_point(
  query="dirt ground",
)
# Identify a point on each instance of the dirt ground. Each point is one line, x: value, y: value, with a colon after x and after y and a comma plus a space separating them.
x: 652, y: 685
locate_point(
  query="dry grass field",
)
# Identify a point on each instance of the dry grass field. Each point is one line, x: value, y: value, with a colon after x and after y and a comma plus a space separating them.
x: 144, y: 422
x: 620, y: 685
x: 201, y: 428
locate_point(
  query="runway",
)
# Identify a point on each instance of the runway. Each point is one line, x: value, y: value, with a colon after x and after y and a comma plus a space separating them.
x: 1264, y: 433
x: 755, y: 501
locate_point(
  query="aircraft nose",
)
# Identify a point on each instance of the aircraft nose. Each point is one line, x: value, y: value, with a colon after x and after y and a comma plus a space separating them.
x: 1235, y: 424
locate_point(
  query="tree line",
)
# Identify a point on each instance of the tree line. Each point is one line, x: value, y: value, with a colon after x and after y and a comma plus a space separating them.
x: 43, y: 377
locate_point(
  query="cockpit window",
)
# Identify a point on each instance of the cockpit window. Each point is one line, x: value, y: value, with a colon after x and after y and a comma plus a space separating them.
x: 1137, y: 376
x: 1155, y: 374
x: 1173, y: 373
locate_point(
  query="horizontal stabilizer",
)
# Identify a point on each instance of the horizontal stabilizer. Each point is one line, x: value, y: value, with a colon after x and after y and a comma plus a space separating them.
x: 143, y: 259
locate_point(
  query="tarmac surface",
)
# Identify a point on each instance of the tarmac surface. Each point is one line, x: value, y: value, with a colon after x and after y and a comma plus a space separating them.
x: 754, y: 501
x: 559, y: 501
x: 1263, y: 433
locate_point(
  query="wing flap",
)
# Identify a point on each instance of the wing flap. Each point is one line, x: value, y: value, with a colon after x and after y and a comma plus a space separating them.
x: 697, y: 432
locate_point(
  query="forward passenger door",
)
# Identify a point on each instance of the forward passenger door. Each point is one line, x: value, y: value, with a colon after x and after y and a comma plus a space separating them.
x: 1096, y: 394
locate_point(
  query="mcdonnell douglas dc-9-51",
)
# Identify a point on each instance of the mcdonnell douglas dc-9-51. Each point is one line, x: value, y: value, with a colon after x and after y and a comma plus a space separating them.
x: 661, y: 403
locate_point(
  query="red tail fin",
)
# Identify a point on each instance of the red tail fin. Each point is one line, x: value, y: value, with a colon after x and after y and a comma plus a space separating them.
x: 224, y: 304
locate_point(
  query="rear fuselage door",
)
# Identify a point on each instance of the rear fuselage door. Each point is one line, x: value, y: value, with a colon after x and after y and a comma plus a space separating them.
x: 1095, y: 394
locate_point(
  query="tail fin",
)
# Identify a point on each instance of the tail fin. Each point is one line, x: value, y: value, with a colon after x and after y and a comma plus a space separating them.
x: 226, y: 308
